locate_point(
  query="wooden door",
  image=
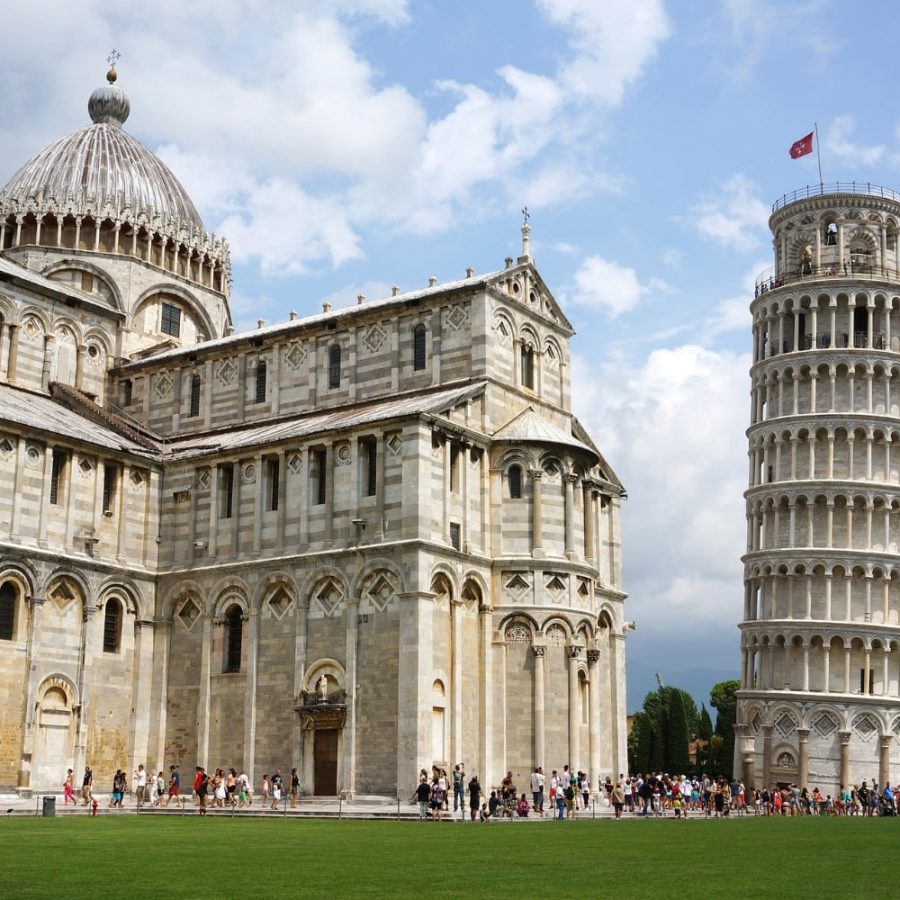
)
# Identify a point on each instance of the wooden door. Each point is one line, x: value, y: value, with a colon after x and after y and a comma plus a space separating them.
x: 325, y: 760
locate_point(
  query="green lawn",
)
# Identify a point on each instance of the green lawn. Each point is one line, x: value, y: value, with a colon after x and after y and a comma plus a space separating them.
x: 136, y: 857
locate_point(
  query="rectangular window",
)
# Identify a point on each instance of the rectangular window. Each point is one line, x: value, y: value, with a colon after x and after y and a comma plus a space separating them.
x: 226, y: 491
x: 334, y: 366
x: 319, y: 474
x: 127, y: 390
x: 87, y: 282
x: 110, y: 488
x: 454, y: 468
x: 170, y: 322
x: 194, y: 409
x: 369, y: 466
x: 272, y: 477
x: 57, y: 476
x: 455, y: 540
x: 261, y: 369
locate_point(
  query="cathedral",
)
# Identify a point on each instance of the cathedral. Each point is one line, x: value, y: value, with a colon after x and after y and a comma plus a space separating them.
x: 360, y: 542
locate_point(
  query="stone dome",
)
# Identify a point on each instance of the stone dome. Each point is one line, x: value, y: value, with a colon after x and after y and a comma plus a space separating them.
x: 102, y: 170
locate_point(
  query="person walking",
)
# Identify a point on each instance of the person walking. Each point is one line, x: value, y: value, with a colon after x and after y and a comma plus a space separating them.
x: 87, y: 784
x: 537, y: 791
x: 69, y: 789
x: 474, y: 797
x: 459, y: 787
x: 295, y: 788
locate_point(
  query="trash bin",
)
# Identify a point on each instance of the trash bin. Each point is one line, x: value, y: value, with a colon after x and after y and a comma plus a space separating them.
x: 49, y: 806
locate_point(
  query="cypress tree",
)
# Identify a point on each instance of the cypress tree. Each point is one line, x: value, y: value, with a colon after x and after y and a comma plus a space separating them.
x: 677, y: 760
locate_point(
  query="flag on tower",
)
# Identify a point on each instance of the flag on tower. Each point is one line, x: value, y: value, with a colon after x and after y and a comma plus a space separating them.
x: 802, y: 147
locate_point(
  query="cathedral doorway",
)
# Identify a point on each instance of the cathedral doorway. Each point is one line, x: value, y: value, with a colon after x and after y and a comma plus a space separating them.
x: 325, y: 762
x: 55, y: 738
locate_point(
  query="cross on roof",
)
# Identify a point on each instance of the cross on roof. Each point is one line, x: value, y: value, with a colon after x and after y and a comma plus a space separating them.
x: 113, y: 58
x: 526, y: 214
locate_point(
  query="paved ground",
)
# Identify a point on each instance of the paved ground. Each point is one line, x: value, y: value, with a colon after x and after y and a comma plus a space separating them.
x: 310, y: 807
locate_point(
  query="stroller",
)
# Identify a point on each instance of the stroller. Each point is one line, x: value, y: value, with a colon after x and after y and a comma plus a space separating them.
x: 886, y: 807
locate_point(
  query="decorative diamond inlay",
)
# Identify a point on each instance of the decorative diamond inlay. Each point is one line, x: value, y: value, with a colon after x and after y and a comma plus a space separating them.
x: 825, y: 725
x: 556, y: 585
x: 380, y: 591
x: 295, y: 462
x: 203, y: 479
x: 137, y: 477
x: 395, y: 444
x: 329, y: 596
x: 375, y: 338
x: 785, y: 724
x: 189, y: 613
x: 226, y: 372
x: 756, y: 722
x: 517, y: 585
x: 279, y: 603
x: 32, y: 328
x: 163, y: 386
x: 295, y: 354
x: 86, y: 466
x: 457, y: 317
x: 865, y: 726
x: 62, y: 595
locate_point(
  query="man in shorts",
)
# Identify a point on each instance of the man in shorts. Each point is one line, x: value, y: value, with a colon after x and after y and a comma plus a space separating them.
x: 174, y: 784
x: 86, y: 784
x: 140, y: 777
x: 537, y: 791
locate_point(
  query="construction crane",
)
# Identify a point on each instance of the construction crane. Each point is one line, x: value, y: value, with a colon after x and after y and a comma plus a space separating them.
x: 659, y: 680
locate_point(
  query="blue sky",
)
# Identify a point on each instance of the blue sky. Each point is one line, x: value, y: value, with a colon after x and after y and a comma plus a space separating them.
x: 344, y: 147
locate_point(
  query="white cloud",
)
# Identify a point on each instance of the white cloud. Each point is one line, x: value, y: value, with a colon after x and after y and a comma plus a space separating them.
x: 734, y: 215
x: 612, y: 43
x: 672, y: 427
x: 604, y: 284
x: 733, y: 314
x: 839, y: 144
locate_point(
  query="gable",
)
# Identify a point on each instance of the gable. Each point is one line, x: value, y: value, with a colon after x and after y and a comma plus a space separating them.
x: 522, y: 284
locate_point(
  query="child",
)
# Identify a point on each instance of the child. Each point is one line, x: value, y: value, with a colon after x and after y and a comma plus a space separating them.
x: 493, y: 803
x: 676, y: 805
x: 484, y: 815
x: 522, y: 807
x: 265, y: 790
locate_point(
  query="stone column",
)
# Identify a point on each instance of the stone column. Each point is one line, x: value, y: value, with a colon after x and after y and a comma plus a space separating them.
x: 141, y: 684
x: 300, y: 634
x: 574, y: 717
x: 348, y: 782
x: 537, y: 550
x: 884, y: 759
x: 32, y: 655
x: 767, y: 754
x: 259, y: 505
x: 570, y: 480
x: 456, y: 681
x: 845, y: 756
x: 803, y: 775
x: 204, y: 685
x: 593, y: 658
x: 539, y: 720
x: 415, y: 666
x: 589, y: 519
x: 250, y: 693
x: 485, y: 614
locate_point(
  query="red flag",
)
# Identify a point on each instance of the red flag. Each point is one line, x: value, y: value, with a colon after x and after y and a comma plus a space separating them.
x: 802, y: 147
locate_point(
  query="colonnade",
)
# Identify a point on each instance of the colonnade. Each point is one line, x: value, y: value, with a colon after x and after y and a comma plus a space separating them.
x: 198, y: 258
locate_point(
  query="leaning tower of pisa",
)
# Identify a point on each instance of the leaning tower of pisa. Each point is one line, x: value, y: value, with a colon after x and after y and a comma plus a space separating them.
x: 819, y: 703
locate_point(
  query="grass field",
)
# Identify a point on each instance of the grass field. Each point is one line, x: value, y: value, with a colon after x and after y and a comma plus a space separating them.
x: 221, y: 857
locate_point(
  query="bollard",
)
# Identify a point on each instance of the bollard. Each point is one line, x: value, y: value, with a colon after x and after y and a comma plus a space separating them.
x: 340, y: 805
x: 593, y: 807
x: 398, y: 809
x: 94, y: 807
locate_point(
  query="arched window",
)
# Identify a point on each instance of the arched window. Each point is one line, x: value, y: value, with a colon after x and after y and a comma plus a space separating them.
x: 9, y: 597
x: 514, y: 477
x: 234, y: 627
x: 261, y: 381
x: 334, y: 366
x: 195, y: 396
x: 419, y: 356
x: 112, y: 626
x: 527, y: 366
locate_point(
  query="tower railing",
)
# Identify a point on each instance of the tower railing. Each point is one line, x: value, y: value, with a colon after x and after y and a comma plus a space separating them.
x: 862, y: 188
x: 770, y: 280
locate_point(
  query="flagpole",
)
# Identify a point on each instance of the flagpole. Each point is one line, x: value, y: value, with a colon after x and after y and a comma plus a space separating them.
x: 818, y: 154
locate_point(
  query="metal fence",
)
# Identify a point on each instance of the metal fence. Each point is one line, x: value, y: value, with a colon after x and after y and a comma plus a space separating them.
x: 861, y: 188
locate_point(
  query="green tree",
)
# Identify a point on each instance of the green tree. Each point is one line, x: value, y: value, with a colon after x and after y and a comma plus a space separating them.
x: 723, y: 700
x: 704, y: 738
x: 640, y: 741
x: 677, y: 760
